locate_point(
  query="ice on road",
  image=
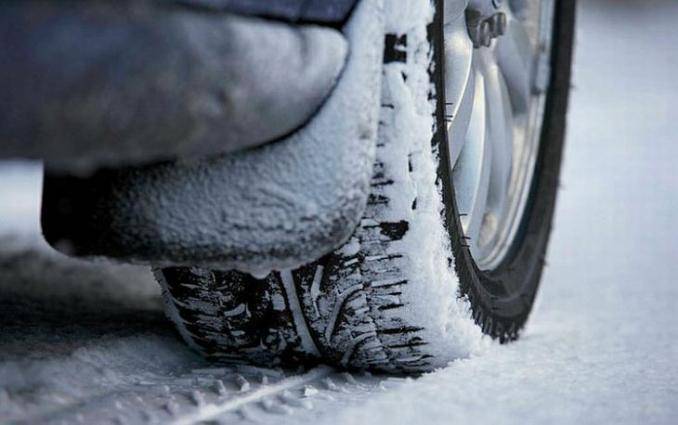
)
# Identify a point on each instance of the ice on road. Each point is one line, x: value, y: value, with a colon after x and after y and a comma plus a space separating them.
x: 80, y: 342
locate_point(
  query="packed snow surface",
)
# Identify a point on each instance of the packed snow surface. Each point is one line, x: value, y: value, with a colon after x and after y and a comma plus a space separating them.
x: 83, y: 342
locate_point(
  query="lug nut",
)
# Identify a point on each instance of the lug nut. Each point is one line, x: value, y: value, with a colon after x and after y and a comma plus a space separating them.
x: 485, y: 33
x: 499, y: 24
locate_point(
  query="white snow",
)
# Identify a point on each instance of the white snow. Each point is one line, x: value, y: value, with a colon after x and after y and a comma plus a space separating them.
x: 601, y: 348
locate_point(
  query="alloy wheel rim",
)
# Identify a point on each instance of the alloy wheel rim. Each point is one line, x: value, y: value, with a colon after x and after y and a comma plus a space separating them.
x: 496, y: 79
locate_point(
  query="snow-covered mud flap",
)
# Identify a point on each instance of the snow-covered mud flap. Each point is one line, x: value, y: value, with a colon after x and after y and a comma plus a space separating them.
x: 278, y: 205
x: 403, y: 294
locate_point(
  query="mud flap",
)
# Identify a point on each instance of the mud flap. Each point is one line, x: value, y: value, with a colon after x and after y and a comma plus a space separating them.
x: 276, y: 206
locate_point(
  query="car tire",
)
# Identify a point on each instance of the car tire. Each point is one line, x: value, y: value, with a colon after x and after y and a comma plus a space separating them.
x: 405, y: 293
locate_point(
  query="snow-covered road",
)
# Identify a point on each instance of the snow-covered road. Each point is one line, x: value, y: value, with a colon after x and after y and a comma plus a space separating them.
x: 89, y: 343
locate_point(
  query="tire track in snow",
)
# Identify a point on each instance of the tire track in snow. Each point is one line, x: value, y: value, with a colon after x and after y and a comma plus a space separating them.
x: 213, y: 411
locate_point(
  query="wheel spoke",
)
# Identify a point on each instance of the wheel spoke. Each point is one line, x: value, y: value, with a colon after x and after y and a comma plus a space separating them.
x: 500, y: 132
x: 454, y: 10
x: 516, y: 56
x: 472, y: 172
x: 459, y: 83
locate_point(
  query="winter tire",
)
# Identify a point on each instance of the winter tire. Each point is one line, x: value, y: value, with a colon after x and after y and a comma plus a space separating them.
x: 433, y: 266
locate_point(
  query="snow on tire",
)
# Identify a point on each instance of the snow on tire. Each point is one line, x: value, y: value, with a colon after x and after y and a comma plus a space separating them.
x: 403, y: 294
x: 389, y: 299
